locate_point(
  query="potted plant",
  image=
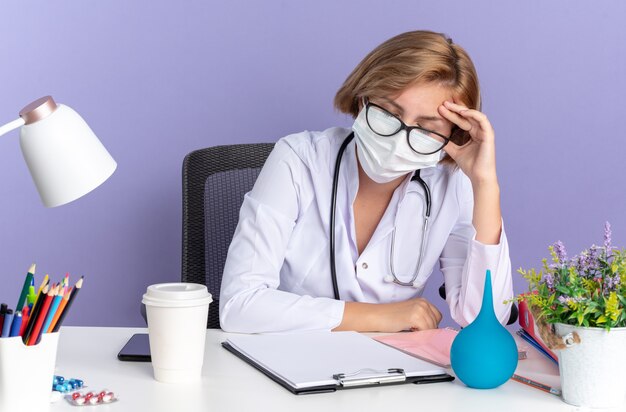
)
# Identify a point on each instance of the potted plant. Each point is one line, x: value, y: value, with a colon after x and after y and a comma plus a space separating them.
x: 579, y: 304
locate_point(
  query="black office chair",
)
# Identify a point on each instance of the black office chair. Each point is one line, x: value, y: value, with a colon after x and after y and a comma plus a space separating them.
x: 215, y: 181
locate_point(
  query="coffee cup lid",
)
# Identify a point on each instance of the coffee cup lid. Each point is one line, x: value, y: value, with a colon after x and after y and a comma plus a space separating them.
x: 177, y: 295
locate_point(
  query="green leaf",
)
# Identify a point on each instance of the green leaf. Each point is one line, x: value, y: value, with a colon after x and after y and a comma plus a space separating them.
x: 579, y: 318
x: 563, y: 289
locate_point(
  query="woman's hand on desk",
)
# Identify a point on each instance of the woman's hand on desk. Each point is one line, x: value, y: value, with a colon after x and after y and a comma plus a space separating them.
x: 412, y: 314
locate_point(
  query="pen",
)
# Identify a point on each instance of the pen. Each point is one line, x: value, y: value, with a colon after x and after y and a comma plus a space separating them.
x: 3, y: 310
x: 17, y: 324
x: 27, y: 282
x: 8, y: 321
x: 30, y: 298
x: 536, y: 384
x: 25, y: 314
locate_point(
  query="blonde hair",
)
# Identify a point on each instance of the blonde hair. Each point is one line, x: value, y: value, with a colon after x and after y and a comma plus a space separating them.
x: 410, y: 58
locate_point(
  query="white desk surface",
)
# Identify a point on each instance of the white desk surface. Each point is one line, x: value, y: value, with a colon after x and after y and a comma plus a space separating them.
x: 229, y: 384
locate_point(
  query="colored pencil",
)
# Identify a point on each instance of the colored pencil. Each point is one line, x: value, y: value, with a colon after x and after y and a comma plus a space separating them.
x: 41, y: 317
x: 44, y: 283
x: 27, y: 282
x: 77, y: 288
x: 33, y: 316
x: 536, y: 385
x: 54, y: 306
x: 55, y: 319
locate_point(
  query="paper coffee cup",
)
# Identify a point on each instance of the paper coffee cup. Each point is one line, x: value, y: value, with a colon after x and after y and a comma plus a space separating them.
x: 177, y: 318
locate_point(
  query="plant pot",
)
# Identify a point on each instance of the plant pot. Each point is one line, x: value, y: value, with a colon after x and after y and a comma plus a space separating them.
x: 591, y: 371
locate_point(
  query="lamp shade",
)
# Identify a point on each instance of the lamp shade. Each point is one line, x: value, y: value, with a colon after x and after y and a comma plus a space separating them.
x: 64, y: 156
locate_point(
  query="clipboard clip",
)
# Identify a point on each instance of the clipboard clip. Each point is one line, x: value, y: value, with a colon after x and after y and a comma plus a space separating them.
x: 382, y: 377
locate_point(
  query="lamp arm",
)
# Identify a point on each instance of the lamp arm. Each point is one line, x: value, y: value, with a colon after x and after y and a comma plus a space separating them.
x: 11, y: 126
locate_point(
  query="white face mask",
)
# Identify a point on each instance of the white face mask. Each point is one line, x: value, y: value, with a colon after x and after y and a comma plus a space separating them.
x: 385, y: 158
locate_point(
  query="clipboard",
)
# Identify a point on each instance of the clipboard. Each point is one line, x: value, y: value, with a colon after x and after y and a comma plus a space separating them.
x: 316, y: 362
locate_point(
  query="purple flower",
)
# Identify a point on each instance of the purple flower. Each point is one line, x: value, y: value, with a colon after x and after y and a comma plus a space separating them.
x: 611, y: 283
x: 561, y: 253
x: 564, y: 300
x: 588, y: 262
x: 607, y: 237
x: 548, y: 279
x: 581, y: 262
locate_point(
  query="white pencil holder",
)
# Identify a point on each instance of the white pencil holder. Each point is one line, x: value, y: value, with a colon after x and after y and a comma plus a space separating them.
x: 26, y: 373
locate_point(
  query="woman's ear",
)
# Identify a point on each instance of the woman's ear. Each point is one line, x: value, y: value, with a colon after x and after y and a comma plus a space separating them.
x: 357, y: 105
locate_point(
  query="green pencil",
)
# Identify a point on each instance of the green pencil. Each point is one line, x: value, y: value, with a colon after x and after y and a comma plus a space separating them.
x: 27, y: 282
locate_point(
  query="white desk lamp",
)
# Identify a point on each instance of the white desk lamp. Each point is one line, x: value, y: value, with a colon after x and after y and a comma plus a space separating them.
x: 64, y: 156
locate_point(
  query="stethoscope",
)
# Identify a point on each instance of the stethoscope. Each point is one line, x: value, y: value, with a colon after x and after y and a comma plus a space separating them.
x: 392, y: 278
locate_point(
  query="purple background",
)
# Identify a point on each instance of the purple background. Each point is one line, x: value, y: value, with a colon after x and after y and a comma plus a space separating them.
x: 157, y: 79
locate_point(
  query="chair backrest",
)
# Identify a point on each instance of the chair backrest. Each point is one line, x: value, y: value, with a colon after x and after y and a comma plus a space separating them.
x: 215, y: 181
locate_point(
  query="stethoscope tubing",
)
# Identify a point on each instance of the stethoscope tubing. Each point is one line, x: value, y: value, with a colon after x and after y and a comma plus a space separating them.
x: 333, y: 207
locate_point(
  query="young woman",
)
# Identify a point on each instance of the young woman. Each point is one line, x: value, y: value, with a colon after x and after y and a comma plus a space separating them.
x: 343, y: 227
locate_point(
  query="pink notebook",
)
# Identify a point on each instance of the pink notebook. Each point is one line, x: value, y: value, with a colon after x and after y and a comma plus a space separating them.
x: 431, y: 345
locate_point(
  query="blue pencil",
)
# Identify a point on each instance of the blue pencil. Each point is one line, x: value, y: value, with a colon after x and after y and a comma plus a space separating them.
x: 53, y: 308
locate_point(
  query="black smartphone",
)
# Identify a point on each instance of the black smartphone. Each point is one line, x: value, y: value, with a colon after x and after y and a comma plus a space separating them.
x: 137, y: 349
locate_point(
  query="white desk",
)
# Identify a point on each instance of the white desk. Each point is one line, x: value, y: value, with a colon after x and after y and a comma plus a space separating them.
x: 229, y: 384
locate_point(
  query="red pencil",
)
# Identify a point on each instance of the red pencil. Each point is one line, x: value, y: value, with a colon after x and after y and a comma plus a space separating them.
x: 34, y: 312
x: 34, y: 337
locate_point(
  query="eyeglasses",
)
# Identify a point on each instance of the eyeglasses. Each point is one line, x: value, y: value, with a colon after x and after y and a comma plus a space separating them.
x: 420, y: 140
